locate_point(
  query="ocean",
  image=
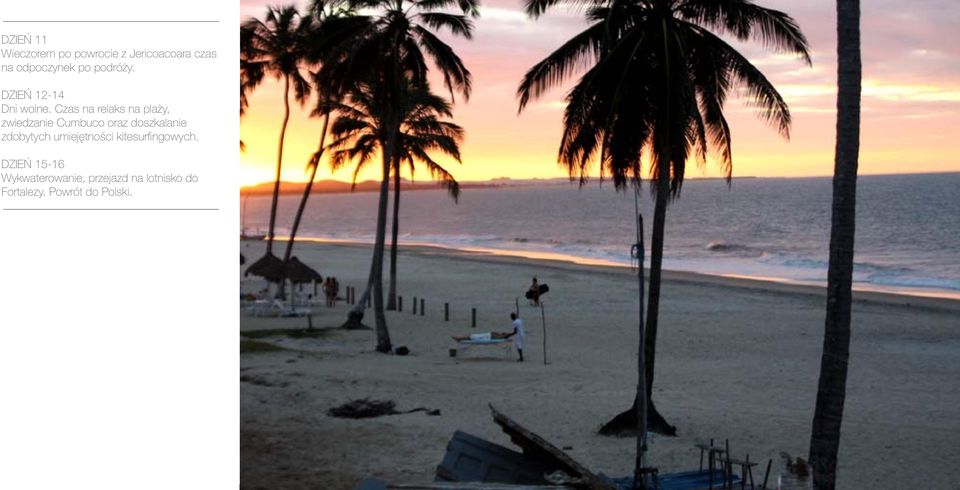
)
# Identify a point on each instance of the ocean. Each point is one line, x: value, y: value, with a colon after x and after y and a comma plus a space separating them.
x: 907, y: 241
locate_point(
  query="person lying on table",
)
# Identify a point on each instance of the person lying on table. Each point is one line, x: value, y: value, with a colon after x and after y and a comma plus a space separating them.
x: 517, y: 330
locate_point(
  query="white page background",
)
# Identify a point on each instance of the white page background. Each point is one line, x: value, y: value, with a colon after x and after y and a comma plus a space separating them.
x: 118, y: 366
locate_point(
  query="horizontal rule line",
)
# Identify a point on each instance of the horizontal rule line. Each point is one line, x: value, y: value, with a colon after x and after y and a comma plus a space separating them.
x: 111, y: 209
x: 112, y: 21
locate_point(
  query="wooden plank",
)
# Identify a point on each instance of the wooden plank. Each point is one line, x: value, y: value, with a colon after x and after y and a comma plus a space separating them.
x: 474, y: 486
x: 535, y: 446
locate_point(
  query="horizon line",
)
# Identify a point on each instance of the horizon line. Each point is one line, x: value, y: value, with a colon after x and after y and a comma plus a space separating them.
x: 591, y: 179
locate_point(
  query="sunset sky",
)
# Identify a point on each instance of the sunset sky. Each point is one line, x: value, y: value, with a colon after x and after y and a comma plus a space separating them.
x: 910, y: 118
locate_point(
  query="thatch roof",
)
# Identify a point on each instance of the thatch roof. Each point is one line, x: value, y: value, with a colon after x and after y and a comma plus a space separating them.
x: 299, y: 272
x: 267, y: 267
x: 271, y: 268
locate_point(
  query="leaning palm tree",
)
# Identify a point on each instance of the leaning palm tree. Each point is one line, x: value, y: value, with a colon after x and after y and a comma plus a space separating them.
x: 656, y: 80
x: 831, y: 391
x: 247, y: 71
x: 386, y: 53
x: 421, y: 132
x: 321, y: 39
x: 275, y: 46
x: 361, y: 131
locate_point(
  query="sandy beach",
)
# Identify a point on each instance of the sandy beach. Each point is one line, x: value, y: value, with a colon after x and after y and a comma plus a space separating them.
x: 737, y: 359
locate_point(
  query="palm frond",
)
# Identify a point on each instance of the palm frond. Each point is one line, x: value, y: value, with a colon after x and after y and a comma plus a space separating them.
x: 456, y: 77
x: 572, y: 56
x: 748, y: 21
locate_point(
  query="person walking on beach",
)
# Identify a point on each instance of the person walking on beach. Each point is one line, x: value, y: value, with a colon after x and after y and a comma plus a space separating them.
x: 328, y: 291
x: 533, y: 294
x: 518, y: 333
x: 335, y: 291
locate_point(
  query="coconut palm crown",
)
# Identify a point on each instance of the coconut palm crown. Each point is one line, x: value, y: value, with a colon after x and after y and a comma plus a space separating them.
x: 658, y: 75
x: 359, y: 133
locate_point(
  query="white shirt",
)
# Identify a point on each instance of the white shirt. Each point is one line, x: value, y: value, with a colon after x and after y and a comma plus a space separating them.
x: 521, y: 335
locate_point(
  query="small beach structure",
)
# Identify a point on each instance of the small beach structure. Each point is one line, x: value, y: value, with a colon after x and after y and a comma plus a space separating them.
x: 267, y: 267
x: 271, y: 268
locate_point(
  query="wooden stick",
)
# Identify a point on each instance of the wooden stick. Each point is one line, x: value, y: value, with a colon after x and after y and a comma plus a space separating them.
x: 446, y: 312
x: 473, y: 317
x: 767, y: 474
x: 543, y: 325
x: 726, y: 465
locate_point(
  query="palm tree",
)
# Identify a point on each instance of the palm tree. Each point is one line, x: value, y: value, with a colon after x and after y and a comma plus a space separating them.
x: 831, y: 391
x: 320, y: 40
x: 658, y: 78
x: 387, y: 52
x: 275, y: 46
x: 420, y: 133
x: 361, y: 131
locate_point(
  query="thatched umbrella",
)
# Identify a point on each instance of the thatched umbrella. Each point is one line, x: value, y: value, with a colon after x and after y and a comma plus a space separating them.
x: 268, y: 267
x: 299, y: 273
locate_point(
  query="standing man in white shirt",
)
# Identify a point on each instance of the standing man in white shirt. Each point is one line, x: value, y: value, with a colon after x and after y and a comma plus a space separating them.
x: 519, y: 334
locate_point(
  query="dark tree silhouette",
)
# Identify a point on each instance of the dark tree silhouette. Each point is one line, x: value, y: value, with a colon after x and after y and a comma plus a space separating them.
x: 656, y: 78
x: 275, y: 46
x: 832, y: 387
x: 360, y: 132
x: 387, y: 51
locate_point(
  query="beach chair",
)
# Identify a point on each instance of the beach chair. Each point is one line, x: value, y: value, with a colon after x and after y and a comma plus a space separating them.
x: 277, y: 308
x: 260, y: 307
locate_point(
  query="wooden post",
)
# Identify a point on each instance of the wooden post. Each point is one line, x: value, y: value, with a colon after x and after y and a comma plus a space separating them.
x: 767, y: 474
x: 518, y: 306
x: 726, y: 469
x: 543, y: 325
x: 473, y: 317
x: 446, y: 312
x: 421, y: 307
x: 399, y: 303
x: 309, y: 322
x: 414, y: 305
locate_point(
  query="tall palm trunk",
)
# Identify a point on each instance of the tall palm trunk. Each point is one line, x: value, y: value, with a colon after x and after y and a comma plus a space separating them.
x: 627, y: 421
x: 657, y: 422
x: 392, y: 293
x: 276, y: 180
x: 383, y: 335
x: 306, y: 195
x: 640, y: 402
x: 831, y: 390
x: 664, y: 163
